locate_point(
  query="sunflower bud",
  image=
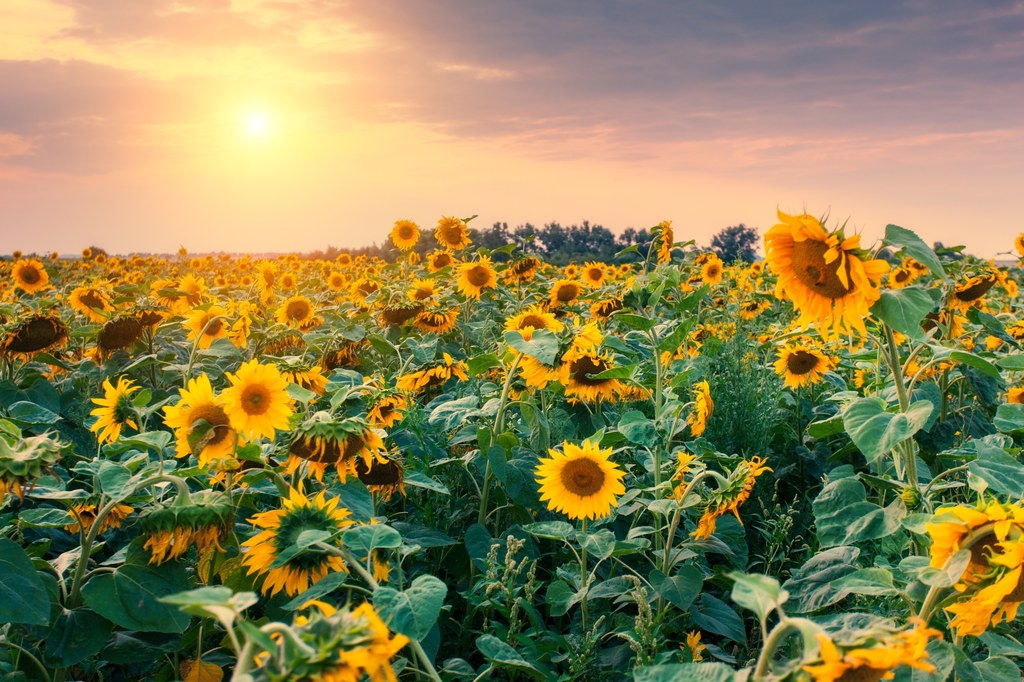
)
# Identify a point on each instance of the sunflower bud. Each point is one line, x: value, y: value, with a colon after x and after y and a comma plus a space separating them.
x: 912, y: 498
x: 23, y: 460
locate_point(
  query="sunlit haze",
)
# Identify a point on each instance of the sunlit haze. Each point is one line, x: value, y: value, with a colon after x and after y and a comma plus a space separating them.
x: 251, y: 125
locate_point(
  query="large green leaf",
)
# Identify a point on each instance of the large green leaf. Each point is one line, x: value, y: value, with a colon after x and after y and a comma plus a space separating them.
x: 758, y: 593
x: 691, y: 672
x: 131, y: 597
x: 811, y: 586
x: 542, y: 346
x: 23, y: 596
x: 714, y: 615
x: 843, y: 515
x: 502, y: 655
x: 681, y: 589
x: 904, y: 309
x: 876, y: 431
x: 916, y: 248
x: 1009, y: 418
x: 999, y: 469
x: 77, y: 635
x: 412, y: 611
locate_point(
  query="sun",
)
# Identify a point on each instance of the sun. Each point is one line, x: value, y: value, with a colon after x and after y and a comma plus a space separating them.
x: 257, y: 123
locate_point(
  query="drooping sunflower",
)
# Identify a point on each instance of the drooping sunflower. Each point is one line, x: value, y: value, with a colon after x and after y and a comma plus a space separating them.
x: 405, y: 234
x: 476, y: 276
x: 280, y: 531
x: 1018, y: 243
x: 297, y: 312
x: 602, y: 310
x: 115, y: 410
x: 381, y: 475
x: 970, y: 292
x: 437, y: 321
x: 388, y: 409
x: 665, y: 238
x: 873, y: 659
x: 308, y: 376
x: 452, y: 233
x: 523, y: 270
x: 434, y: 376
x: 207, y: 324
x: 703, y: 407
x: 576, y: 375
x: 398, y: 313
x: 423, y: 291
x: 1015, y: 395
x: 200, y: 423
x: 202, y: 520
x: 35, y: 334
x: 118, y: 333
x: 257, y: 402
x: 581, y: 481
x: 802, y: 365
x: 825, y: 275
x: 362, y: 289
x: 25, y: 459
x: 84, y: 516
x: 92, y: 302
x: 30, y: 276
x: 730, y: 495
x: 322, y: 441
x: 564, y: 292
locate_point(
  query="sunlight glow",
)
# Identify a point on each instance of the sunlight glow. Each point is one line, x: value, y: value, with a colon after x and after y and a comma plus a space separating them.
x: 257, y: 124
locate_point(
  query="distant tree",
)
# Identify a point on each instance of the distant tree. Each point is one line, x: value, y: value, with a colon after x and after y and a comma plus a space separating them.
x: 737, y: 242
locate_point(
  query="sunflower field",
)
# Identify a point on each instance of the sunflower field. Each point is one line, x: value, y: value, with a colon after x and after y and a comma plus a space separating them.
x: 474, y: 465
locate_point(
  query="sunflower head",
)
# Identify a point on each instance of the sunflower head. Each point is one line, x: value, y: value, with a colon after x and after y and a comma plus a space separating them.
x: 452, y: 233
x: 703, y: 407
x: 30, y: 276
x: 382, y: 475
x: 202, y: 520
x: 802, y: 365
x: 581, y: 481
x: 437, y: 321
x: 405, y: 234
x: 523, y: 270
x: 475, y: 276
x: 397, y: 314
x: 34, y: 334
x: 577, y: 375
x: 438, y: 260
x: 116, y: 410
x: 297, y: 312
x: 201, y: 425
x: 23, y: 460
x: 257, y: 402
x: 564, y: 292
x: 731, y: 493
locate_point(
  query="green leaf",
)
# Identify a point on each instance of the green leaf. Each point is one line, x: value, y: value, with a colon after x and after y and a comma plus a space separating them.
x: 634, y: 321
x: 824, y: 428
x: 904, y: 309
x: 561, y: 597
x: 418, y: 479
x: 302, y: 395
x: 478, y: 364
x: 77, y: 635
x: 870, y: 581
x: 501, y: 654
x: 217, y: 602
x: 553, y: 530
x: 114, y: 480
x: 758, y: 593
x: 363, y: 539
x: 843, y: 515
x: 999, y: 669
x: 637, y: 428
x: 130, y: 597
x: 976, y: 361
x: 714, y: 615
x: 1009, y: 418
x: 876, y: 431
x: 542, y: 346
x: 599, y: 544
x: 810, y: 587
x: 680, y: 590
x: 1000, y: 470
x: 29, y: 413
x: 1012, y: 363
x: 916, y: 248
x: 23, y: 596
x: 412, y: 611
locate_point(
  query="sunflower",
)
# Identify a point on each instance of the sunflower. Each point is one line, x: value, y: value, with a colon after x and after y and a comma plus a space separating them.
x: 532, y: 319
x: 115, y: 410
x: 289, y: 281
x: 405, y: 234
x: 309, y: 377
x: 336, y: 281
x: 423, y: 291
x: 703, y: 407
x: 387, y: 410
x: 802, y: 365
x: 452, y: 233
x: 602, y: 310
x: 200, y: 423
x: 438, y: 260
x: 25, y: 459
x: 825, y: 275
x: 257, y: 402
x: 86, y: 253
x: 873, y: 659
x: 362, y: 289
x: 397, y: 314
x: 85, y: 516
x: 693, y: 646
x: 35, y: 334
x: 581, y: 481
x: 202, y: 520
x: 321, y: 440
x: 684, y: 465
x: 30, y: 276
x: 433, y: 376
x: 1018, y: 243
x: 1015, y: 395
x: 207, y: 325
x: 297, y: 312
x: 729, y: 496
x: 593, y: 274
x: 712, y: 271
x: 576, y: 375
x: 381, y: 475
x: 474, y: 277
x: 901, y: 277
x: 92, y: 302
x: 564, y: 291
x: 345, y: 356
x: 664, y: 238
x: 265, y: 551
x: 437, y: 321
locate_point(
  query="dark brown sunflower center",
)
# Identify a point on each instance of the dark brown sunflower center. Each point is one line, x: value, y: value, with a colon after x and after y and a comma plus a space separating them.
x: 713, y: 271
x: 862, y: 675
x: 976, y: 290
x: 401, y: 315
x: 35, y: 334
x: 367, y: 288
x: 812, y: 270
x: 451, y: 234
x: 595, y: 273
x: 215, y: 416
x: 337, y: 280
x: 902, y: 275
x: 406, y: 232
x: 535, y: 321
x: 442, y: 260
x: 379, y: 473
x: 801, y: 362
x: 478, y: 276
x: 119, y: 333
x: 524, y: 266
x: 255, y: 400
x: 582, y: 476
x: 422, y: 293
x: 581, y: 367
x: 29, y: 274
x: 297, y: 310
x: 567, y: 292
x: 213, y: 326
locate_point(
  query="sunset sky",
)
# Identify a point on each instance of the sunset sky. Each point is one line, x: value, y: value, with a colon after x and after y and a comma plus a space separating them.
x: 280, y: 125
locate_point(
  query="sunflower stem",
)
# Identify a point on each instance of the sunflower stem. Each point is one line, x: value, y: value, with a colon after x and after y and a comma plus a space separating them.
x: 28, y: 654
x: 584, y: 581
x: 499, y: 426
x: 896, y: 367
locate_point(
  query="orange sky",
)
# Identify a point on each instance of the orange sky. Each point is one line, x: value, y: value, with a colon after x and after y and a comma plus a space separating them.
x: 131, y: 125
